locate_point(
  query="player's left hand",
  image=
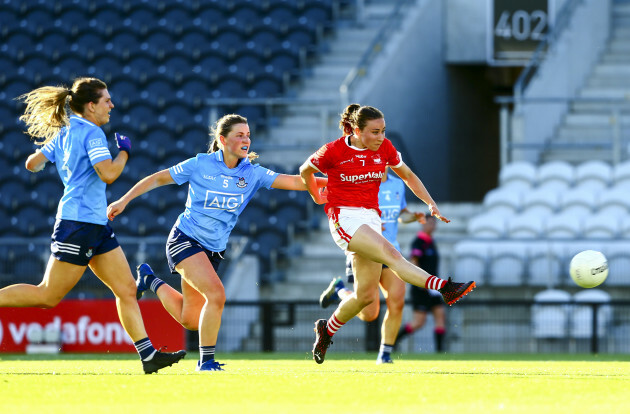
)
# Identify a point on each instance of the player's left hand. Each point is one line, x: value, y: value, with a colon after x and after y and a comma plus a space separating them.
x: 123, y: 143
x: 436, y: 212
x: 420, y: 217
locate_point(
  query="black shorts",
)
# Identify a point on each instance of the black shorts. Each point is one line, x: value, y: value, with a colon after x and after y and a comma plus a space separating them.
x: 179, y: 247
x: 76, y: 242
x: 349, y: 272
x: 423, y: 300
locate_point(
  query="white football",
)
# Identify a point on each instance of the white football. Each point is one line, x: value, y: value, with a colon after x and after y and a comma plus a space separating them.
x: 589, y: 268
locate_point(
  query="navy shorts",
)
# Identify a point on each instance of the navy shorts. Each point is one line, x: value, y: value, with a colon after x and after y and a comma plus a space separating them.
x: 423, y: 300
x: 349, y: 272
x: 179, y: 247
x: 76, y: 242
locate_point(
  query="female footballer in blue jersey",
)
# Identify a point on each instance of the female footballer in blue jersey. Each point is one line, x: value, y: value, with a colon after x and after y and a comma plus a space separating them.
x: 393, y: 206
x: 220, y: 184
x: 81, y: 236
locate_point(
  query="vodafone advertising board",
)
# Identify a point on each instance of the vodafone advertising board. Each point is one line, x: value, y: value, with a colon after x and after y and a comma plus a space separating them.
x: 88, y: 326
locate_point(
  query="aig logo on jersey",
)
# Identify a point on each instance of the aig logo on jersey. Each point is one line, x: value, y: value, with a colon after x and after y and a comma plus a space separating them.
x: 216, y: 200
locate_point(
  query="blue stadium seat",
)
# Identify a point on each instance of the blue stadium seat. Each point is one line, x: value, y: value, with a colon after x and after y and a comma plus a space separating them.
x: 158, y: 44
x: 143, y: 221
x: 110, y: 20
x: 229, y: 42
x: 281, y: 18
x: 316, y: 15
x: 46, y: 194
x: 106, y: 67
x: 211, y: 18
x: 53, y: 45
x: 35, y: 20
x: 140, y: 166
x: 28, y: 267
x: 212, y: 67
x: 19, y: 45
x: 158, y: 92
x: 123, y: 45
x: 255, y: 115
x: 73, y: 22
x: 35, y: 67
x: 89, y: 45
x: 245, y: 17
x: 139, y: 117
x: 178, y: 67
x: 141, y: 68
x: 194, y: 91
x: 230, y: 87
x: 247, y: 66
x: 175, y: 19
x: 299, y: 41
x: 176, y: 117
x: 196, y: 41
x: 266, y: 87
x: 29, y: 221
x: 16, y: 87
x: 264, y: 41
x: 140, y: 20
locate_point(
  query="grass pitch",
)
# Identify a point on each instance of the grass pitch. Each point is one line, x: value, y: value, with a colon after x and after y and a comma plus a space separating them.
x: 290, y: 383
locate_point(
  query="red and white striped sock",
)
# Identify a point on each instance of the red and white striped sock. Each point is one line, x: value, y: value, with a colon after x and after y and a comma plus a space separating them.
x: 435, y: 283
x: 334, y: 324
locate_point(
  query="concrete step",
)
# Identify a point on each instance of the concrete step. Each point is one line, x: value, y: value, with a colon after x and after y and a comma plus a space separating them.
x: 615, y: 93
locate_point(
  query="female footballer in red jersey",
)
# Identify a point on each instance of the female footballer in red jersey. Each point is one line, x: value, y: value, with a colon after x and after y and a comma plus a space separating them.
x: 355, y: 164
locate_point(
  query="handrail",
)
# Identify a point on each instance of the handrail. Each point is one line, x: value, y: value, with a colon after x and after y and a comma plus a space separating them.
x: 564, y: 16
x: 375, y: 47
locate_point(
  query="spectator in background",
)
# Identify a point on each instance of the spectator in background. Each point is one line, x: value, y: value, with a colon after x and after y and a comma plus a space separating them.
x: 220, y: 184
x: 424, y: 254
x: 81, y: 236
x: 355, y: 164
x: 393, y: 206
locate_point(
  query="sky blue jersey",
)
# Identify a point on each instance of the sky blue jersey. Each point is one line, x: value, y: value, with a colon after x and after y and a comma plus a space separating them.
x: 216, y: 196
x: 391, y: 200
x: 75, y: 150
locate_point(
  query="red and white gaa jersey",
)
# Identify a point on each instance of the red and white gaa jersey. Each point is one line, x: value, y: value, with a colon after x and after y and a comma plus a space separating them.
x: 354, y: 175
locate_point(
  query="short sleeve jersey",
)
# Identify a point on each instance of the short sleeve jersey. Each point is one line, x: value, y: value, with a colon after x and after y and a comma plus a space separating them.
x: 216, y: 196
x: 75, y: 150
x: 424, y: 249
x: 354, y: 174
x: 391, y: 200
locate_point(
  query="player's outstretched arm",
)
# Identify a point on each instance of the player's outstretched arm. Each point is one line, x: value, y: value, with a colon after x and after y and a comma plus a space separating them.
x: 413, y: 182
x: 307, y: 173
x: 36, y: 162
x: 294, y: 182
x: 147, y: 184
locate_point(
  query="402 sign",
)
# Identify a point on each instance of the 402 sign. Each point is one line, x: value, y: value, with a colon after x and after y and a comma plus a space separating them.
x: 518, y: 26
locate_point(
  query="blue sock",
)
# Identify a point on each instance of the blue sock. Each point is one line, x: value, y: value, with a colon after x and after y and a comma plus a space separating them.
x: 385, y: 350
x: 145, y: 349
x: 206, y: 353
x: 153, y: 282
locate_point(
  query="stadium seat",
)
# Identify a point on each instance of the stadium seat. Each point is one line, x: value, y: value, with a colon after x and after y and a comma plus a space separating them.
x: 621, y: 175
x: 519, y: 175
x: 230, y: 42
x: 563, y: 226
x: 555, y: 175
x: 211, y: 17
x: 525, y: 227
x: 245, y: 17
x: 578, y: 201
x: 140, y: 20
x: 174, y: 20
x: 19, y: 198
x: 213, y: 67
x: 158, y: 44
x: 471, y: 261
x: 280, y: 18
x: 614, y: 202
x: 36, y: 20
x: 501, y: 202
x: 123, y: 45
x: 487, y: 226
x: 194, y: 91
x: 507, y: 264
x: 545, y: 264
x: 550, y: 321
x: 46, y: 194
x: 582, y: 315
x: 29, y: 221
x: 600, y: 226
x: 159, y: 93
x: 266, y: 87
x: 53, y: 45
x: 264, y: 42
x: 618, y: 255
x: 593, y: 175
x: 543, y: 201
x: 73, y: 22
x: 19, y: 45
